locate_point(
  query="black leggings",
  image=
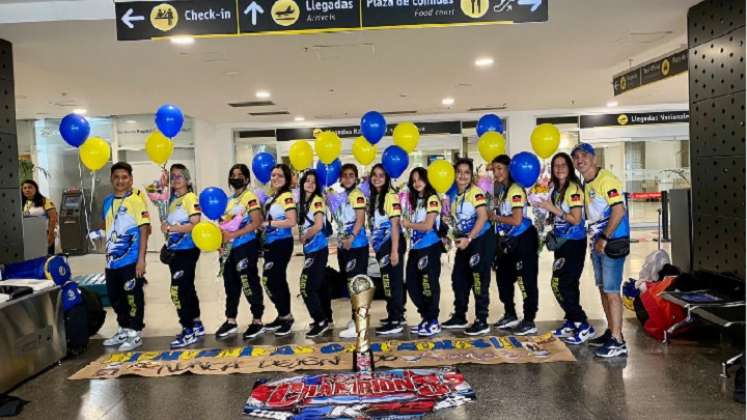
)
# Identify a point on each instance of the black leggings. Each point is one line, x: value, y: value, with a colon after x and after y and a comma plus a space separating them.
x: 392, y: 278
x: 314, y: 291
x: 240, y: 274
x: 274, y: 274
x: 566, y: 272
x: 472, y: 271
x: 126, y: 296
x: 423, y: 273
x: 183, y: 293
x: 352, y: 261
x: 520, y: 266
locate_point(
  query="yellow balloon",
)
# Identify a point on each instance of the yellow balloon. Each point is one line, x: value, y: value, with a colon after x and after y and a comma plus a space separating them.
x: 363, y: 151
x: 491, y: 144
x: 545, y: 140
x: 441, y: 175
x: 94, y: 153
x: 406, y: 136
x: 301, y: 155
x: 158, y: 147
x: 207, y: 236
x: 328, y: 146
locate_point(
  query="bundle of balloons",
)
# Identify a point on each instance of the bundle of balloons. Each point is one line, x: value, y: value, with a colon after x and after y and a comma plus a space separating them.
x: 159, y: 145
x: 94, y: 152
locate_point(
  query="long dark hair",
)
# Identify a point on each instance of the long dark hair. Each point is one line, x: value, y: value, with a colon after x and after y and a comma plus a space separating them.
x: 505, y: 161
x: 38, y: 199
x: 572, y: 177
x: 287, y: 175
x: 377, y: 198
x: 244, y: 171
x: 427, y: 191
x: 303, y: 203
x: 185, y: 173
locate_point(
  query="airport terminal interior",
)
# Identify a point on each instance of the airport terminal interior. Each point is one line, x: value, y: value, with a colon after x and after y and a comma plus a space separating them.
x: 372, y: 209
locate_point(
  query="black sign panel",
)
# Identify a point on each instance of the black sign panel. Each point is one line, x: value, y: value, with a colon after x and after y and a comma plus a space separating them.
x: 147, y: 19
x: 626, y: 81
x: 298, y: 15
x: 152, y: 19
x: 382, y: 13
x: 652, y: 72
x: 425, y: 128
x: 637, y: 118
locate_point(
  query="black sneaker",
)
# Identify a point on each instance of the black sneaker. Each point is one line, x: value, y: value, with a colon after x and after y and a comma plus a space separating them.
x: 525, y: 328
x: 285, y: 327
x: 390, y: 328
x: 612, y: 348
x: 456, y: 322
x: 274, y: 325
x: 317, y: 329
x: 226, y: 329
x: 601, y: 340
x: 254, y: 330
x: 507, y: 322
x: 478, y: 328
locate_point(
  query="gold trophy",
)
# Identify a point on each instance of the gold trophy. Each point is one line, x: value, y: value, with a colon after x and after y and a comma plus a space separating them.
x: 362, y: 290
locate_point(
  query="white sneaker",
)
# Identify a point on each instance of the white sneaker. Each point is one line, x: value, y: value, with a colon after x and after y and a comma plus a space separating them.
x: 118, y: 338
x: 133, y: 341
x: 349, y: 332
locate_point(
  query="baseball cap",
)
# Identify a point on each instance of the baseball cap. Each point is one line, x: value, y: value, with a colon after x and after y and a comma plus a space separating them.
x: 583, y: 147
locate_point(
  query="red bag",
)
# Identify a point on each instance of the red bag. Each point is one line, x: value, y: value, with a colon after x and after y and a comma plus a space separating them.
x: 661, y: 313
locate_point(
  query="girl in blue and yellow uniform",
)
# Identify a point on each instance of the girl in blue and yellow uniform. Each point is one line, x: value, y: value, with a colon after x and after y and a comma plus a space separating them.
x: 184, y: 213
x: 517, y: 256
x: 240, y: 267
x: 424, y: 258
x: 280, y: 215
x: 386, y: 239
x: 314, y: 240
x: 352, y: 254
x: 474, y: 244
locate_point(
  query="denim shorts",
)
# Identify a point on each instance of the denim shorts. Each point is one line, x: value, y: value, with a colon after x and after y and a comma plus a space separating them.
x: 608, y: 272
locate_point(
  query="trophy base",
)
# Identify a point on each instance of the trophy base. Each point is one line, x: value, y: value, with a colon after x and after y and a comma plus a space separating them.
x: 363, y: 362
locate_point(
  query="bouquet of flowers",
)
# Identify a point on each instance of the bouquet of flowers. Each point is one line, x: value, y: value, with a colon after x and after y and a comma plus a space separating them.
x: 230, y: 225
x: 540, y: 191
x: 158, y: 193
x: 335, y: 203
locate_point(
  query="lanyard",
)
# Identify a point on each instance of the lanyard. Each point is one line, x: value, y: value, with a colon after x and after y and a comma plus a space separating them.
x: 121, y: 203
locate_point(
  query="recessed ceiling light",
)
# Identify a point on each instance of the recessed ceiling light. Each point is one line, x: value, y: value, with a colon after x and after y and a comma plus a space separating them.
x: 232, y: 73
x: 182, y: 40
x: 131, y: 122
x: 299, y: 118
x: 484, y: 62
x: 262, y: 94
x: 447, y: 101
x: 80, y: 111
x: 611, y: 104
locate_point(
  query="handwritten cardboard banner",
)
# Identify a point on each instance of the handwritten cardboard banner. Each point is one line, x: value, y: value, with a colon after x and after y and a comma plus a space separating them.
x: 328, y: 356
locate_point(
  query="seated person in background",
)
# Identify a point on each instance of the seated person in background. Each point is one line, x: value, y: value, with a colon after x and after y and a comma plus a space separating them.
x: 35, y: 204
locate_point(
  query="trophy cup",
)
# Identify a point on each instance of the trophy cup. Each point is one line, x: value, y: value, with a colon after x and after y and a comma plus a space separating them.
x: 361, y: 294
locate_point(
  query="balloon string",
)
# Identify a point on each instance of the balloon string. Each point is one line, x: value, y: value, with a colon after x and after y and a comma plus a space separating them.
x: 86, y: 213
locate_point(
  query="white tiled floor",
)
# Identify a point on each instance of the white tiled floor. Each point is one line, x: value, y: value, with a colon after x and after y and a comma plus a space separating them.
x: 161, y: 320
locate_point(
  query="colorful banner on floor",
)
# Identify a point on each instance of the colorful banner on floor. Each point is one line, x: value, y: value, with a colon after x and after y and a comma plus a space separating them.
x: 329, y: 356
x: 398, y: 393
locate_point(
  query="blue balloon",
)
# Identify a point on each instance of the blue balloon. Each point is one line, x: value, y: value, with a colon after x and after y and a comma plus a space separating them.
x: 525, y: 169
x: 452, y: 193
x: 74, y: 129
x: 213, y: 202
x: 262, y: 165
x: 169, y: 120
x: 373, y: 126
x: 489, y: 122
x: 395, y: 161
x: 328, y: 174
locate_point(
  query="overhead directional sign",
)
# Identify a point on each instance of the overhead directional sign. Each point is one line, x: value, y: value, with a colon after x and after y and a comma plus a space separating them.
x: 204, y: 18
x: 650, y: 72
x: 146, y: 19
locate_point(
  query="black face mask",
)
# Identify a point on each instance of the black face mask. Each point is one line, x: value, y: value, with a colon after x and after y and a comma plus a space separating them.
x: 236, y: 182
